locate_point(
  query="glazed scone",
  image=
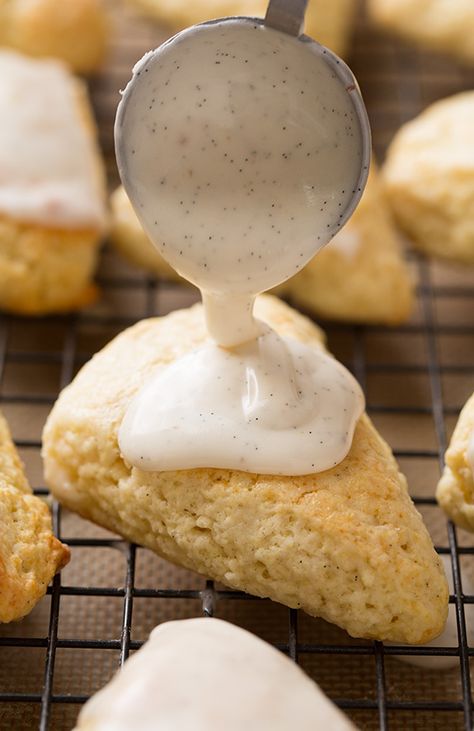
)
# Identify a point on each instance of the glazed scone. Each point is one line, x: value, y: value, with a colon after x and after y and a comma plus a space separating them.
x: 52, y: 188
x: 30, y: 555
x: 208, y: 675
x: 433, y: 24
x: 455, y: 492
x: 429, y: 178
x: 361, y: 276
x: 74, y: 31
x: 346, y: 544
x: 330, y: 23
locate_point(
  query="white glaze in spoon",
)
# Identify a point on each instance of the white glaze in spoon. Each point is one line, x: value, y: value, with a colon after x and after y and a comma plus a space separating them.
x: 208, y: 675
x: 243, y: 151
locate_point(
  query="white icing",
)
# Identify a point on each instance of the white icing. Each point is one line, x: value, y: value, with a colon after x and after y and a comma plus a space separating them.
x: 272, y: 402
x: 207, y: 675
x: 241, y: 151
x: 48, y: 170
x: 449, y: 636
x: 347, y: 242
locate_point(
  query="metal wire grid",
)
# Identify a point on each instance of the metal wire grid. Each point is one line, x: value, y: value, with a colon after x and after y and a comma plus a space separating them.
x: 71, y: 356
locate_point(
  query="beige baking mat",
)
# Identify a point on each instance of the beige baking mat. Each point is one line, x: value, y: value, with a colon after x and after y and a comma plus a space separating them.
x: 398, y: 371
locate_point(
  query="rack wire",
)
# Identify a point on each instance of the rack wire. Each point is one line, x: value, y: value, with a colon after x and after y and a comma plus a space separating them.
x: 416, y: 378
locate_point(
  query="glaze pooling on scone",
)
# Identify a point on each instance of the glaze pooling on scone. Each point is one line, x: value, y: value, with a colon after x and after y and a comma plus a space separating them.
x: 241, y: 151
x: 272, y: 405
x: 48, y: 166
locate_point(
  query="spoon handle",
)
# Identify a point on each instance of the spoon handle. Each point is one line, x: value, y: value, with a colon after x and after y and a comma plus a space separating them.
x: 286, y: 15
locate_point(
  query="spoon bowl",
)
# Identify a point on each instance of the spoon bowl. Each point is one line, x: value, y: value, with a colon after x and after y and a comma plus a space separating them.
x: 243, y: 131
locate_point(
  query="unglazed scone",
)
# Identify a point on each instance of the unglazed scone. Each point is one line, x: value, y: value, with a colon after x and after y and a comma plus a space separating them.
x: 455, y: 492
x: 208, y: 675
x: 73, y: 30
x: 330, y: 23
x: 346, y: 544
x: 441, y: 26
x: 30, y: 555
x: 361, y: 276
x: 52, y: 189
x: 429, y: 178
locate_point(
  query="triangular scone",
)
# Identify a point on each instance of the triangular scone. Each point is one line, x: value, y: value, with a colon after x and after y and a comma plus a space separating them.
x: 361, y: 276
x: 52, y: 195
x: 330, y: 23
x: 75, y: 32
x: 441, y: 26
x: 429, y: 178
x: 346, y: 544
x: 205, y: 674
x: 30, y: 555
x: 455, y: 492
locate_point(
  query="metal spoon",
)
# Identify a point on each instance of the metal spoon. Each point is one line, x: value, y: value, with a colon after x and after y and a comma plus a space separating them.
x: 283, y: 17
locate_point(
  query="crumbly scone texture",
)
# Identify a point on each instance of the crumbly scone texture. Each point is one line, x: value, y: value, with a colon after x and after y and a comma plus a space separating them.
x: 429, y: 178
x: 74, y: 30
x: 441, y: 26
x: 45, y: 270
x: 455, y: 492
x: 361, y: 275
x: 30, y: 554
x: 330, y: 23
x: 346, y: 544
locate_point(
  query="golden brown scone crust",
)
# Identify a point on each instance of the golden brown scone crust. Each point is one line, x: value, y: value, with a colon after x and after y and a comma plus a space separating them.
x: 429, y: 178
x: 330, y: 23
x: 30, y: 555
x: 455, y: 492
x: 346, y: 544
x: 441, y: 26
x: 370, y: 284
x: 361, y: 275
x: 72, y: 30
x: 45, y: 270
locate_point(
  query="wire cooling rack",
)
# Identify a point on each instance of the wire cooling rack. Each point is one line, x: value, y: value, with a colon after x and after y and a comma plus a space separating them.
x: 416, y: 378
